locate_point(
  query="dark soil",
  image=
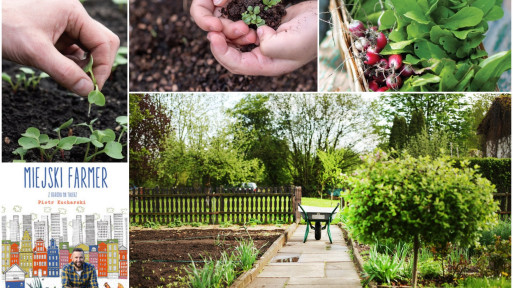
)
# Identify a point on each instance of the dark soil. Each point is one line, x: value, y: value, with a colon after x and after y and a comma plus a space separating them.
x: 160, y: 257
x: 50, y: 105
x: 169, y: 52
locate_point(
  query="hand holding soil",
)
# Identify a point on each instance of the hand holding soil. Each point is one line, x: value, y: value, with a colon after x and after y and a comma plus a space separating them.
x: 297, y: 32
x: 207, y: 14
x: 48, y: 34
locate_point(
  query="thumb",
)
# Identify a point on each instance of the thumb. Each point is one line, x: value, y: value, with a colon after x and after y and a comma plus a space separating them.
x: 65, y: 71
x: 269, y: 42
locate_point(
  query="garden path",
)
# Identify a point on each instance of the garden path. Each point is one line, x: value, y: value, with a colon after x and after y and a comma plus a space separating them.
x: 318, y: 263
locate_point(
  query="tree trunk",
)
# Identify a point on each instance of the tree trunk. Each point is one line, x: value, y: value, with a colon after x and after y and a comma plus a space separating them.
x: 416, y: 246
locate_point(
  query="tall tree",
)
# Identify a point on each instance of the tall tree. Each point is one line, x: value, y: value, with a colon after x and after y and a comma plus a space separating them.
x: 417, y: 123
x: 398, y: 133
x: 150, y: 124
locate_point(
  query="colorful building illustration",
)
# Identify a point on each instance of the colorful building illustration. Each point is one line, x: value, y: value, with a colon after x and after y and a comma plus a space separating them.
x: 6, y: 256
x: 86, y: 251
x: 15, y: 254
x: 40, y: 259
x: 102, y: 260
x: 123, y: 262
x: 26, y: 253
x: 53, y: 259
x: 15, y: 277
x: 64, y: 255
x: 113, y: 257
x: 93, y: 256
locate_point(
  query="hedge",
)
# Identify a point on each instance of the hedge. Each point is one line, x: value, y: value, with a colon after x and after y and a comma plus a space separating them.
x: 498, y: 171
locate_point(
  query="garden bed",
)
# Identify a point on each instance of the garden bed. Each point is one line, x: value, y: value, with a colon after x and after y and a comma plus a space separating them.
x: 49, y: 105
x: 161, y: 257
x: 169, y: 52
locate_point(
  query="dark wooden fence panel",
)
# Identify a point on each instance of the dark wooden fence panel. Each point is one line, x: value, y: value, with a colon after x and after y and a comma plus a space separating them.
x: 214, y: 206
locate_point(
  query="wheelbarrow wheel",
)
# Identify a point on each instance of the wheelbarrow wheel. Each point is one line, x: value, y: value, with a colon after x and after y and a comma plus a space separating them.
x: 318, y: 230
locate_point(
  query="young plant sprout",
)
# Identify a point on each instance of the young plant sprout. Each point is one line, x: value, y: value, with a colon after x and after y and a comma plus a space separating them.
x: 33, y: 139
x: 26, y: 79
x: 251, y: 16
x: 105, y: 139
x: 20, y: 151
x: 96, y: 96
x: 270, y: 3
x: 120, y: 3
x: 120, y: 57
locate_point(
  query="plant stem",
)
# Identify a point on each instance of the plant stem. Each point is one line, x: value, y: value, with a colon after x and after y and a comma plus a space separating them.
x: 416, y: 245
x: 87, y: 152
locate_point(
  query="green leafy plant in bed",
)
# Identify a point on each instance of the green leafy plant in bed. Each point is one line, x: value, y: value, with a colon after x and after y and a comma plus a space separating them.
x: 250, y: 16
x: 441, y: 40
x: 26, y: 79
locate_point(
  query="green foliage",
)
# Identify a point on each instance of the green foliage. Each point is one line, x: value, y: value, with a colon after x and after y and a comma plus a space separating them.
x: 442, y: 38
x: 412, y: 199
x: 270, y: 3
x: 472, y: 282
x: 501, y: 229
x: 417, y: 123
x: 423, y: 144
x: 175, y: 223
x: 48, y: 147
x: 498, y: 171
x: 250, y: 16
x: 26, y: 79
x: 332, y: 164
x: 384, y: 267
x: 495, y: 259
x: 96, y: 96
x: 152, y: 225
x: 246, y: 252
x: 398, y: 134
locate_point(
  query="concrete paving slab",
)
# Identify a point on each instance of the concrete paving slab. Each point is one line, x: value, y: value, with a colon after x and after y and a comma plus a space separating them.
x: 320, y: 263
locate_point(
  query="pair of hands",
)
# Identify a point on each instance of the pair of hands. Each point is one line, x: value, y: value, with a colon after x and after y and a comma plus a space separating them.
x: 52, y: 35
x: 291, y: 46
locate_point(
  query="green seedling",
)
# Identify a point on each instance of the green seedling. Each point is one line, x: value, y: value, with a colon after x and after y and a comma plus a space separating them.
x: 123, y: 122
x: 26, y: 79
x: 96, y: 96
x: 251, y: 16
x: 33, y: 139
x: 120, y: 3
x: 120, y: 57
x: 101, y: 139
x: 270, y: 3
x: 21, y: 152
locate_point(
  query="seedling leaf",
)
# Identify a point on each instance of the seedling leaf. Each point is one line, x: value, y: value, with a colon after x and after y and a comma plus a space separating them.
x: 32, y: 132
x: 67, y: 143
x: 28, y: 143
x: 27, y: 70
x: 113, y: 149
x: 96, y: 97
x: 82, y: 140
x: 6, y: 77
x: 122, y: 120
x: 43, y: 138
x: 52, y: 143
x: 64, y: 126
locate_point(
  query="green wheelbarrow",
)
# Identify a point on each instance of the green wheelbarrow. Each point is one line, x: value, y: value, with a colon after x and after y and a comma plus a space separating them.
x: 317, y: 215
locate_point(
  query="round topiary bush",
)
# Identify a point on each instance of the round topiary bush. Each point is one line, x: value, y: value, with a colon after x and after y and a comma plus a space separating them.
x: 418, y: 200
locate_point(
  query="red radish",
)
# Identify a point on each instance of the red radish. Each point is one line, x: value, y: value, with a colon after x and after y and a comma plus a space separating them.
x: 373, y: 49
x: 381, y: 41
x: 357, y: 28
x: 371, y: 58
x: 395, y: 61
x: 382, y: 63
x: 394, y: 81
x: 407, y: 71
x: 382, y: 89
x: 373, y: 85
x: 362, y: 44
x: 375, y: 28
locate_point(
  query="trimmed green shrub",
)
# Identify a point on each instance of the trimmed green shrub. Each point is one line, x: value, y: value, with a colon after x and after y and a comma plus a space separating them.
x: 421, y: 199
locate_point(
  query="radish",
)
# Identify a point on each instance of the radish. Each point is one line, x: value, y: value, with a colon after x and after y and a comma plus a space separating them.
x: 373, y: 85
x: 407, y: 71
x: 395, y: 61
x: 382, y: 63
x: 357, y: 28
x: 382, y: 89
x: 394, y: 81
x: 362, y: 44
x: 371, y: 58
x: 381, y: 41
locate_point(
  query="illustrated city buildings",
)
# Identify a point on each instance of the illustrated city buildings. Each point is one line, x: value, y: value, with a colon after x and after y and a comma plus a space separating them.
x: 42, y: 248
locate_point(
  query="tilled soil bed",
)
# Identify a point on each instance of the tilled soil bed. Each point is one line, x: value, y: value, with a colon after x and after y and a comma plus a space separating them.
x: 169, y: 52
x: 49, y: 105
x: 160, y: 257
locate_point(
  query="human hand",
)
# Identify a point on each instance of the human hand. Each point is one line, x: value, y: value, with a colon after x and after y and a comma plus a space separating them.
x: 291, y: 46
x: 51, y: 34
x: 206, y: 14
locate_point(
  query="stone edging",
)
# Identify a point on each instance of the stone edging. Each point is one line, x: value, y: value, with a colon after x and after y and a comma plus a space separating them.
x: 357, y: 259
x: 246, y: 278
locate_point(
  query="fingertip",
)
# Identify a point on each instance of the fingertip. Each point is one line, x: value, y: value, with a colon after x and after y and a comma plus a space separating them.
x: 82, y: 87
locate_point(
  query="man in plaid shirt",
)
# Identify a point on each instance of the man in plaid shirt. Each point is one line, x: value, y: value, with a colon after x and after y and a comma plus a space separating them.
x: 78, y: 273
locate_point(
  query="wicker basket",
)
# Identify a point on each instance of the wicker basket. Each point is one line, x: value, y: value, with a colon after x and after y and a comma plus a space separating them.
x: 341, y: 19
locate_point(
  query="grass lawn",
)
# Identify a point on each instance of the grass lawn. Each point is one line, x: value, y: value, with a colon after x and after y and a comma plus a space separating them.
x: 318, y: 202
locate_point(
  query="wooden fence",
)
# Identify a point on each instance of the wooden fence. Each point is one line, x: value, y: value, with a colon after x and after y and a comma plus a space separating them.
x: 214, y: 206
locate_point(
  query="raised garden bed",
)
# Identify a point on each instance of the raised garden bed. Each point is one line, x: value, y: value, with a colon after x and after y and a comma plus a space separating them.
x: 160, y: 257
x: 49, y: 105
x: 169, y: 52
